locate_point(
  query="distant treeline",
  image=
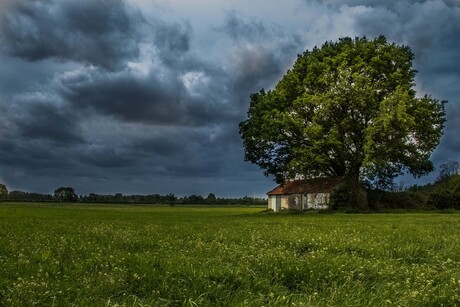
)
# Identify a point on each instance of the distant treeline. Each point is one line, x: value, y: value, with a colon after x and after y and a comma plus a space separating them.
x: 67, y: 194
x: 27, y: 196
x: 169, y: 199
x: 444, y: 193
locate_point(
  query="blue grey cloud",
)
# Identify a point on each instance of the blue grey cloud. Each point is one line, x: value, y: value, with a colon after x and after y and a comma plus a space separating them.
x: 127, y: 96
x: 99, y: 33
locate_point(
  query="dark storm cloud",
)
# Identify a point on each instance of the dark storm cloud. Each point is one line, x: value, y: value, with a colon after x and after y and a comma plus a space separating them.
x: 379, y: 3
x: 105, y: 156
x: 100, y: 33
x: 163, y: 152
x: 239, y: 29
x: 196, y: 165
x: 106, y: 97
x: 37, y: 136
x: 19, y: 76
x: 261, y: 54
x: 172, y: 41
x: 417, y: 25
x: 148, y: 98
x: 254, y: 67
x: 163, y: 97
x: 166, y: 144
x: 127, y: 97
x: 39, y: 117
x: 46, y: 122
x: 35, y: 156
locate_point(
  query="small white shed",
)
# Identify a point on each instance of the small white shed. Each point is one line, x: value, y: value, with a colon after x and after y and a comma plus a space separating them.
x: 303, y: 194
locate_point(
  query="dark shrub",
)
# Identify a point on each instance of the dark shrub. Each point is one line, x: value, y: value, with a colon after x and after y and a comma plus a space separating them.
x: 444, y: 200
x: 348, y: 194
x: 395, y: 200
x: 339, y: 197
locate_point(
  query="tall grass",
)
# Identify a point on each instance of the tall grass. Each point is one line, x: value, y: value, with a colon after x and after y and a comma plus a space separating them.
x: 97, y: 255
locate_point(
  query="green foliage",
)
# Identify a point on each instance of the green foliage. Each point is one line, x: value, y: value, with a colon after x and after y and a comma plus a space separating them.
x: 348, y: 195
x: 444, y: 200
x: 211, y: 198
x: 170, y: 199
x: 182, y: 256
x: 3, y: 192
x: 443, y: 194
x: 347, y: 108
x: 28, y: 196
x: 65, y: 194
x: 339, y: 198
x: 379, y: 200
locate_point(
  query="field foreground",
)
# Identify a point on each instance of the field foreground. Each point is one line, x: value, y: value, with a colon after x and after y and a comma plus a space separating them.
x: 97, y: 255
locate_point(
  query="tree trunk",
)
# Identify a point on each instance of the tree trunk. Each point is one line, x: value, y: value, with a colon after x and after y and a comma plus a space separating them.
x: 358, y: 195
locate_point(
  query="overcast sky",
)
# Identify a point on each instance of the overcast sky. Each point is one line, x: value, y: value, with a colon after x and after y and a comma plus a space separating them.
x: 145, y: 96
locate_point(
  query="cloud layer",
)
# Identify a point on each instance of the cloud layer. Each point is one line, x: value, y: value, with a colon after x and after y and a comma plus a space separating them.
x: 134, y: 97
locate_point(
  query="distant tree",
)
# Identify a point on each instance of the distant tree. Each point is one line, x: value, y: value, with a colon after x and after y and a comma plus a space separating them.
x: 65, y: 194
x: 3, y: 191
x: 170, y: 198
x: 118, y: 197
x: 211, y: 198
x: 195, y: 199
x: 349, y: 109
x: 92, y: 197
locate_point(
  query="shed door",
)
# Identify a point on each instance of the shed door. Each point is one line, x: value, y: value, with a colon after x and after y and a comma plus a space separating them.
x: 277, y: 203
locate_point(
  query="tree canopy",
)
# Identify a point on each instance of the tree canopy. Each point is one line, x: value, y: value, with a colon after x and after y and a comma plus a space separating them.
x: 66, y: 194
x: 348, y: 108
x: 3, y: 191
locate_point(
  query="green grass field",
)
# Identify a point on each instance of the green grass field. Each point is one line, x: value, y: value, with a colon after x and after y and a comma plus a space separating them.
x: 100, y: 255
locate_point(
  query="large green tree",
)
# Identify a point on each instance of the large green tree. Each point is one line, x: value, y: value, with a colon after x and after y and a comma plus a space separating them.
x: 348, y: 108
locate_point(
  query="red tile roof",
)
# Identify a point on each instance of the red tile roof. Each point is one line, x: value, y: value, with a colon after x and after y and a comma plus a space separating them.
x: 316, y: 185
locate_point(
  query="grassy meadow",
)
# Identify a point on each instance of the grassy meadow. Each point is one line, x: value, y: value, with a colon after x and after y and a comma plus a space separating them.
x: 101, y: 255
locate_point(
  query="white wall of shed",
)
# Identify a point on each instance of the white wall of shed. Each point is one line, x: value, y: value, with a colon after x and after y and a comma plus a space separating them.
x: 317, y: 200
